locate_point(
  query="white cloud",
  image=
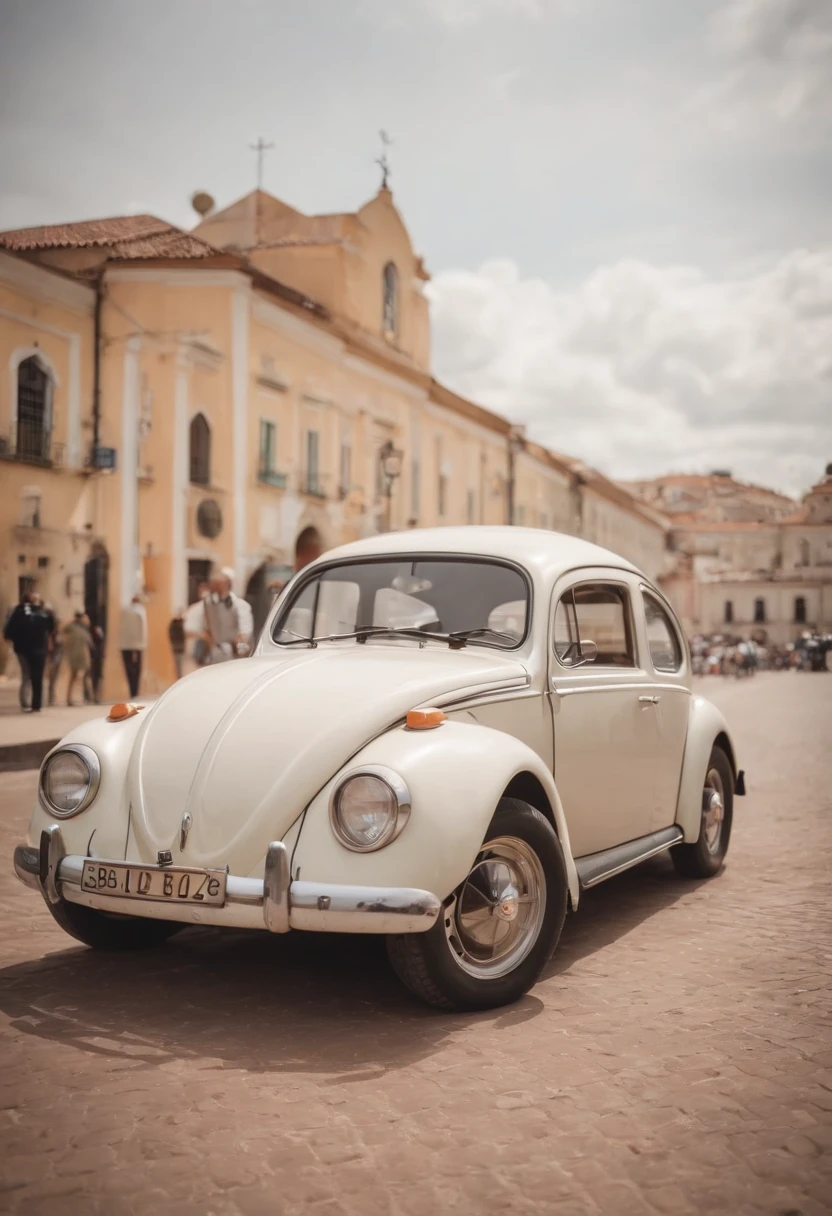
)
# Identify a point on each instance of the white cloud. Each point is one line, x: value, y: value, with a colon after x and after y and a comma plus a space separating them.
x: 776, y: 58
x: 642, y: 369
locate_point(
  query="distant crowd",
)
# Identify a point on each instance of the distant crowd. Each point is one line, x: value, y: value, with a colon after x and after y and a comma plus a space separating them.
x: 742, y: 657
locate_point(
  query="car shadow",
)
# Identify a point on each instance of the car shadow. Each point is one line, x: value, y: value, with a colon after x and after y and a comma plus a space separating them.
x: 301, y: 1003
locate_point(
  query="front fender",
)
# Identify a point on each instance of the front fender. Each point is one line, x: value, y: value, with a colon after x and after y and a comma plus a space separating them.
x: 705, y: 724
x: 456, y: 775
x: 100, y: 830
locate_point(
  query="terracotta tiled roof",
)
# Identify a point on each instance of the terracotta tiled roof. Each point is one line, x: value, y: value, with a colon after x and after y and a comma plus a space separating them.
x: 128, y: 237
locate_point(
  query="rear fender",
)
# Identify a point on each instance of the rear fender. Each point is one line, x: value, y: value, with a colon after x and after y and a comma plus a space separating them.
x: 706, y: 727
x: 456, y: 775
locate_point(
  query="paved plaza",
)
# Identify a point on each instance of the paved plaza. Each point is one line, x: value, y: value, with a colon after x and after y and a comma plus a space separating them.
x: 676, y: 1057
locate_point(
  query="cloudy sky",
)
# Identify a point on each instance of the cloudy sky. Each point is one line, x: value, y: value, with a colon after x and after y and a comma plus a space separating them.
x: 625, y: 206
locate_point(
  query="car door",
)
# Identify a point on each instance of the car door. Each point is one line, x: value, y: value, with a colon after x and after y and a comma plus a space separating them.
x: 604, y: 729
x: 667, y: 656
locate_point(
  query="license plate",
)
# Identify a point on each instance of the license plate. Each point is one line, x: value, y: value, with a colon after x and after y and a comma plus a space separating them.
x: 164, y: 884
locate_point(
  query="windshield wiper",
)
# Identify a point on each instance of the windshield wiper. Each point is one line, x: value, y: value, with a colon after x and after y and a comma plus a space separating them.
x: 483, y: 632
x: 372, y: 631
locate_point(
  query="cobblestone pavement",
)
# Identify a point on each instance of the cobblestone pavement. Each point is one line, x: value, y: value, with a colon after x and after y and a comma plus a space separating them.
x: 677, y: 1056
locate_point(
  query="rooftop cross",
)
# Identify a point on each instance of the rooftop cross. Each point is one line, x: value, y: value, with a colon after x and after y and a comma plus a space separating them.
x: 261, y: 147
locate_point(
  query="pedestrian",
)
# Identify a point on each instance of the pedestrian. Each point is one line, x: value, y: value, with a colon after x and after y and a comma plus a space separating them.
x: 96, y: 662
x: 28, y: 629
x: 227, y: 623
x: 77, y: 646
x: 194, y: 627
x: 132, y: 641
x: 176, y: 634
x: 54, y: 659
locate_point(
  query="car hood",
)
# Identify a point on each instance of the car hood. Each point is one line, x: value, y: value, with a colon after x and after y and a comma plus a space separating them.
x: 244, y: 746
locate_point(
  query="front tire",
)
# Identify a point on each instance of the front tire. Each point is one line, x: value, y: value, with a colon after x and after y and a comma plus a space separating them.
x: 499, y: 928
x: 104, y: 931
x: 704, y: 858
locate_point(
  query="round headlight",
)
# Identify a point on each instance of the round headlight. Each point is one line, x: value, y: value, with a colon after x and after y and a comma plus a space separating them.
x: 69, y: 780
x: 369, y: 809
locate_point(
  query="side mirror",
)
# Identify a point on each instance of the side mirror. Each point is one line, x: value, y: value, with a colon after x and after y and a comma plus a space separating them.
x: 578, y: 654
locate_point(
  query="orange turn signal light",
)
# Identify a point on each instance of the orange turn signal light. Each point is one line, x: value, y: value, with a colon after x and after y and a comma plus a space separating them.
x: 424, y: 719
x: 122, y: 711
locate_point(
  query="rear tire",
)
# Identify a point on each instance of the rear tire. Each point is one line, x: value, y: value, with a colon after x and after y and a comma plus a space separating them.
x: 104, y: 931
x: 704, y: 858
x: 499, y: 928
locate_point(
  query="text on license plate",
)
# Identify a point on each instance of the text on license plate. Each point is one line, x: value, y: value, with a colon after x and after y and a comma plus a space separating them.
x: 169, y: 883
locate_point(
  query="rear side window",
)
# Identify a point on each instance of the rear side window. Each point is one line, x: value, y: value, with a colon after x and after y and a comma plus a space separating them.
x: 597, y: 613
x: 663, y: 643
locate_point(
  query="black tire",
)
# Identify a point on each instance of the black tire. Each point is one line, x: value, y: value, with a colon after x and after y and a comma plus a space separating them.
x: 700, y: 860
x: 426, y: 962
x: 104, y: 931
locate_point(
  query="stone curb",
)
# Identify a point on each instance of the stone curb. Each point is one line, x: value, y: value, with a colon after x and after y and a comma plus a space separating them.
x: 17, y: 756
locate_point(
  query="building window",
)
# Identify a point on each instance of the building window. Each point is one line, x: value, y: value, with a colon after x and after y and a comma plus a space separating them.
x: 34, y: 411
x: 390, y: 314
x: 800, y: 610
x: 200, y: 451
x: 313, y: 475
x: 415, y: 488
x: 441, y: 480
x: 728, y: 615
x: 30, y: 507
x: 267, y: 462
x: 805, y: 555
x: 521, y: 515
x: 759, y: 611
x: 346, y: 468
x: 472, y: 506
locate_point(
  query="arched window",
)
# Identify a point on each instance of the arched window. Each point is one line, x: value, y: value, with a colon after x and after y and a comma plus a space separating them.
x: 390, y: 314
x: 729, y: 611
x: 759, y: 611
x: 34, y: 411
x: 200, y: 451
x: 805, y: 555
x: 800, y: 610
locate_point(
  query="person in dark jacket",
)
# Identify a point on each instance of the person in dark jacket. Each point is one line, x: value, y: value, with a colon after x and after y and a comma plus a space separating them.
x: 29, y: 629
x: 176, y: 635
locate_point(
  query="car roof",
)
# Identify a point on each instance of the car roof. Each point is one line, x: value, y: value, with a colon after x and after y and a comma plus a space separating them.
x: 543, y: 553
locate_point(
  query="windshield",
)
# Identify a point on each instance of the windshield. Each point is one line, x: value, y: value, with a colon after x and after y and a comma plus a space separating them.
x: 448, y: 596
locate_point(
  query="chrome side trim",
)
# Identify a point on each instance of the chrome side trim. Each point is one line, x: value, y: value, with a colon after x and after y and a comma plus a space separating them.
x: 613, y: 687
x: 596, y: 867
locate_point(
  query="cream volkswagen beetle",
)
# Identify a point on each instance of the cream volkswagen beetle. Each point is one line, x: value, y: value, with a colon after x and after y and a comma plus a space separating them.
x: 443, y: 736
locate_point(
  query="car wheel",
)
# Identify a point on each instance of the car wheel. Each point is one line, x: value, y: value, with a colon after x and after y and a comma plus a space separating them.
x: 705, y: 856
x: 105, y: 931
x: 499, y: 927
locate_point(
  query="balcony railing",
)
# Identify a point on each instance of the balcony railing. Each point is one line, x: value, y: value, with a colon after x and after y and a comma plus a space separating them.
x: 313, y: 482
x: 268, y: 476
x: 31, y: 445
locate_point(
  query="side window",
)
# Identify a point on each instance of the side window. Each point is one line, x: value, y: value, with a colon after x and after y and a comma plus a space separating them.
x: 665, y: 652
x: 598, y: 613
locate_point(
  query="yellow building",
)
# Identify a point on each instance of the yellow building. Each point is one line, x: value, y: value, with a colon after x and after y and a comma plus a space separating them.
x: 179, y: 401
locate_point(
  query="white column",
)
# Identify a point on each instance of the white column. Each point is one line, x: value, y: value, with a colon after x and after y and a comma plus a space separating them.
x: 73, y: 422
x: 129, y: 462
x: 239, y: 393
x: 179, y: 499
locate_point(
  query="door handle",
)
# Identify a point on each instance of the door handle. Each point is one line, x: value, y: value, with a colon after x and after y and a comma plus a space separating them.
x: 649, y: 700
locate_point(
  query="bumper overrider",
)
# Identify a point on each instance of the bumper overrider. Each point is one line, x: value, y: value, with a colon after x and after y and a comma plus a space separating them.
x: 272, y: 902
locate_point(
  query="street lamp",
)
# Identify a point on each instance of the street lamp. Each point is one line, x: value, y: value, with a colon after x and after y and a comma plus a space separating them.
x: 390, y: 463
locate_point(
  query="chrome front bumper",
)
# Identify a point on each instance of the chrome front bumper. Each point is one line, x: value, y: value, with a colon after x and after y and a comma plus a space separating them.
x: 273, y: 902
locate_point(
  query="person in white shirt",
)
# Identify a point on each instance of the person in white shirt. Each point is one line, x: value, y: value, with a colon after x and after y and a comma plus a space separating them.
x: 224, y: 622
x: 132, y: 641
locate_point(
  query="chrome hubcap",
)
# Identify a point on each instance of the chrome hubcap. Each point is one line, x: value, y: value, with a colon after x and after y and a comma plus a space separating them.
x: 713, y: 809
x: 493, y: 920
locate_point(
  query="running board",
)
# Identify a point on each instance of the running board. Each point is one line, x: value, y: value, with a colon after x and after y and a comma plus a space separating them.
x: 595, y: 867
